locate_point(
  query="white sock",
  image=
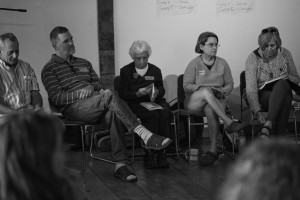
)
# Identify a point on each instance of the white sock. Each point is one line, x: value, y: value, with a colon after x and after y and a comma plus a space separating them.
x: 143, y: 132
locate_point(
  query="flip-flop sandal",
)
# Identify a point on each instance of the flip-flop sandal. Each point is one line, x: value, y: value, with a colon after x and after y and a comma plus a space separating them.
x: 265, y: 136
x: 123, y: 173
x: 155, y: 142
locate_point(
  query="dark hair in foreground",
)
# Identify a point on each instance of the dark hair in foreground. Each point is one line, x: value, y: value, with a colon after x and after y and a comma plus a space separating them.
x: 267, y: 170
x: 32, y: 158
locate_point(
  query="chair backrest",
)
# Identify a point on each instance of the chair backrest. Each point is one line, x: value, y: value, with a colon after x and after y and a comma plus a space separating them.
x: 117, y: 83
x: 180, y: 91
x: 242, y: 82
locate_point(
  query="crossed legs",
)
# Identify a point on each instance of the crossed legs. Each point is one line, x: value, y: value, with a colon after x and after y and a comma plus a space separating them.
x: 96, y: 107
x: 277, y: 102
x: 203, y: 97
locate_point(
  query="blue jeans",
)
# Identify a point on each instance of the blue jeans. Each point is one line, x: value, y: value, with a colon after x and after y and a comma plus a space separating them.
x: 108, y: 105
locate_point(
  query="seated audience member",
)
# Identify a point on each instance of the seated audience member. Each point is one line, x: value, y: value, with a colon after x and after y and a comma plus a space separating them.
x: 207, y: 81
x: 19, y: 89
x: 136, y: 77
x: 75, y: 88
x: 266, y: 170
x: 32, y: 158
x: 265, y: 63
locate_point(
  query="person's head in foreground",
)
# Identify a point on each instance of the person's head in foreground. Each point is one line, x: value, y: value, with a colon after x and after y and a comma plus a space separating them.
x: 32, y: 158
x: 266, y: 170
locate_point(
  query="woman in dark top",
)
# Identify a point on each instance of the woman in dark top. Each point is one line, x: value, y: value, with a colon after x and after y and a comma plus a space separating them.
x: 135, y: 87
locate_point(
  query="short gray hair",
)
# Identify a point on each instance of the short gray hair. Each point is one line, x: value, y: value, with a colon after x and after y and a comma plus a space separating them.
x: 139, y: 46
x: 7, y: 36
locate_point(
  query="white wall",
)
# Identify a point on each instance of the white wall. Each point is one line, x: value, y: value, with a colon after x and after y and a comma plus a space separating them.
x: 173, y: 37
x: 33, y: 27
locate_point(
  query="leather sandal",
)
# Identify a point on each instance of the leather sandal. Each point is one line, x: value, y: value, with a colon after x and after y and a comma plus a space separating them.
x: 123, y: 173
x: 265, y: 136
x: 155, y: 142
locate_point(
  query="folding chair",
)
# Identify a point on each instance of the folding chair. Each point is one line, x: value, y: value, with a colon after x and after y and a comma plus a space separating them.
x: 244, y: 106
x: 189, y: 116
x: 86, y: 129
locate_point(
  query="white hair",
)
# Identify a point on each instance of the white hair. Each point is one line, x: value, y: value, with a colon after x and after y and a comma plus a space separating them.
x: 139, y: 46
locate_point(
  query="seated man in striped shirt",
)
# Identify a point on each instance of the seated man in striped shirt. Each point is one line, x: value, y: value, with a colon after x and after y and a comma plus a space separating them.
x: 19, y: 89
x: 74, y: 87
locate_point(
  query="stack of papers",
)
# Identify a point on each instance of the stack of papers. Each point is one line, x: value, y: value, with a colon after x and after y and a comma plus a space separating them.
x: 151, y: 106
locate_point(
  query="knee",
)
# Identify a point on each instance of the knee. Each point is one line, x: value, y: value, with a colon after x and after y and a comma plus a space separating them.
x: 154, y: 115
x: 109, y: 92
x: 284, y: 85
x: 206, y: 91
x: 202, y: 93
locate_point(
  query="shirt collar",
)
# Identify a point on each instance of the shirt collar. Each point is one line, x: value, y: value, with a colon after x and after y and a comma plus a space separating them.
x: 142, y: 72
x: 58, y: 59
x: 4, y: 65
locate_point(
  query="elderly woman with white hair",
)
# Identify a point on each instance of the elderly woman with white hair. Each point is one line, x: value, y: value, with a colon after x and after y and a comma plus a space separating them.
x: 136, y: 83
x: 269, y: 62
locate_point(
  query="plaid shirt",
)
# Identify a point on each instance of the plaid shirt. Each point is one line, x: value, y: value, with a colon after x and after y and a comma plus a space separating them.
x: 63, y: 80
x: 16, y: 84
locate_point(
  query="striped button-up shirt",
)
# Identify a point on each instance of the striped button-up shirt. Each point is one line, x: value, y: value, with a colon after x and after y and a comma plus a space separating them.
x: 63, y: 80
x: 16, y: 84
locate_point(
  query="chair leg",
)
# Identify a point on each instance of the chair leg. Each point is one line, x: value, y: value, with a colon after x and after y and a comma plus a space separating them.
x: 252, y: 130
x: 296, y: 130
x: 176, y: 141
x: 95, y: 157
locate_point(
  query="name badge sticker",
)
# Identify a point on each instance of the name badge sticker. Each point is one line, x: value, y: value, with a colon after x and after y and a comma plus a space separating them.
x: 83, y: 69
x: 201, y: 72
x: 149, y: 78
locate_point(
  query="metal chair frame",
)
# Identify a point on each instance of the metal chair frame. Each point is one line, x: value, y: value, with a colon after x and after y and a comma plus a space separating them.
x: 180, y: 111
x: 84, y: 127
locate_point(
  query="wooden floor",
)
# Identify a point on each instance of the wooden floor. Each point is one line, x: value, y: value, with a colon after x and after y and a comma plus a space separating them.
x: 183, y: 180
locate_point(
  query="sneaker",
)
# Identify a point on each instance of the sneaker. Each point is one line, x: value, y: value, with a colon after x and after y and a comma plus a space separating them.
x: 209, y: 158
x: 149, y: 160
x: 162, y: 160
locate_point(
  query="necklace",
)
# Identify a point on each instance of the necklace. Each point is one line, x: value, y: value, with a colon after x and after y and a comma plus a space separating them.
x: 209, y: 63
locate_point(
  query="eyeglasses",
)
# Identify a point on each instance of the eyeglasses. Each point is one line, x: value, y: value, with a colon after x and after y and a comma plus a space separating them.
x: 139, y: 59
x: 211, y: 45
x: 272, y: 30
x: 272, y: 46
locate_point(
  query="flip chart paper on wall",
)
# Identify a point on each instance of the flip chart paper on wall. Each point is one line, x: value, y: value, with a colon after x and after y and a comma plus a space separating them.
x: 175, y: 7
x: 234, y: 6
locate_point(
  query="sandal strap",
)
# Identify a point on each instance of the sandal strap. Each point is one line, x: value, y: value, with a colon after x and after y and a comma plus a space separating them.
x: 155, y: 142
x: 123, y: 173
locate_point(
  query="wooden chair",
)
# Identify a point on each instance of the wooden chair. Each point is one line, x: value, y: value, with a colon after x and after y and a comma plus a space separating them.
x: 246, y: 107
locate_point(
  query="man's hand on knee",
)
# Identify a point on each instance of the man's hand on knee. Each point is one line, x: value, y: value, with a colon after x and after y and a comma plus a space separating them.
x: 86, y: 92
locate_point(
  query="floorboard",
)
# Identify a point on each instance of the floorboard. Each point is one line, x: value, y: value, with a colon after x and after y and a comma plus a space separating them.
x: 183, y: 180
